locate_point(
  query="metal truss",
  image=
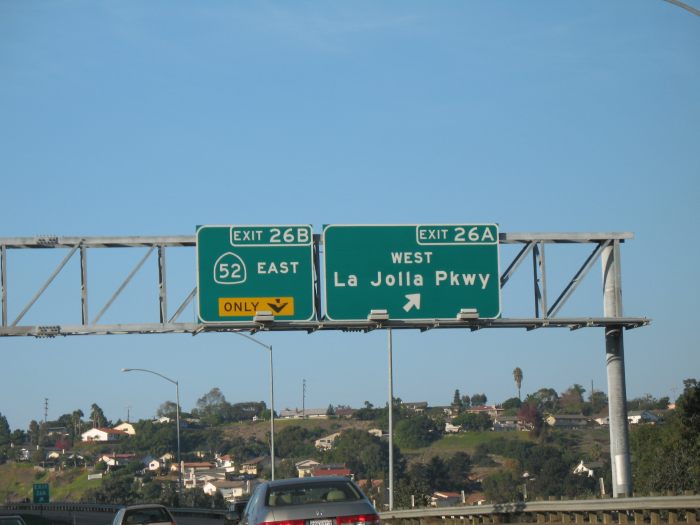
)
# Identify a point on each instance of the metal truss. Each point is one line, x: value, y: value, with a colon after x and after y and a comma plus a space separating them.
x: 533, y: 245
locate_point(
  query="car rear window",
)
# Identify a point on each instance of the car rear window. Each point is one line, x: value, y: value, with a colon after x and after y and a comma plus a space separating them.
x: 145, y: 516
x: 305, y: 493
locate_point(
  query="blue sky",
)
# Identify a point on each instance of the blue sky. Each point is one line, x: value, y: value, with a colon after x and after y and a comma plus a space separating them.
x: 149, y: 118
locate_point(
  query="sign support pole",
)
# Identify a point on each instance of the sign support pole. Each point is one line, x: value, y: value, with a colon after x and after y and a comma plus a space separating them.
x: 391, y: 420
x: 615, y: 360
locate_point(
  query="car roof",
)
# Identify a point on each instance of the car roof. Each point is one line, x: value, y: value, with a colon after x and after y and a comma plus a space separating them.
x: 145, y: 506
x: 305, y: 481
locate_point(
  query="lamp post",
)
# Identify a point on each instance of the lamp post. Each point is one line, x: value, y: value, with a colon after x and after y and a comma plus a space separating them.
x: 272, y: 400
x: 177, y: 419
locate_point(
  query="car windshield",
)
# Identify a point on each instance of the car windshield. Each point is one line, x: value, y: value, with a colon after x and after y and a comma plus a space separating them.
x: 305, y: 493
x: 145, y: 516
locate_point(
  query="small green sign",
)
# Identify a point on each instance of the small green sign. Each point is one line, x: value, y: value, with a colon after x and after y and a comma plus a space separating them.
x: 40, y: 493
x: 412, y: 271
x: 242, y: 270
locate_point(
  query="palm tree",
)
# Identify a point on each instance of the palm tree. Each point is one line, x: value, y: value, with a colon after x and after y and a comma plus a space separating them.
x: 518, y: 377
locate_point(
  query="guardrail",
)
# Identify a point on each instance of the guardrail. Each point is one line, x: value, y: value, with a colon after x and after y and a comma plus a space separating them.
x: 100, y: 508
x: 622, y: 511
x: 654, y: 510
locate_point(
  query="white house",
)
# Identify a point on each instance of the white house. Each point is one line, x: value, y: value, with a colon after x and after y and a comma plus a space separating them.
x: 103, y: 434
x: 326, y: 443
x: 588, y: 470
x: 126, y: 427
x: 117, y: 460
x: 376, y: 432
x: 641, y: 416
x: 230, y: 490
x: 452, y: 429
x: 155, y: 465
x: 306, y: 467
x: 443, y: 498
x: 226, y: 462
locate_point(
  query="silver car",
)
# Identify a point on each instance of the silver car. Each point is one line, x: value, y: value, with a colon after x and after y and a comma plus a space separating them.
x: 331, y: 500
x: 143, y: 515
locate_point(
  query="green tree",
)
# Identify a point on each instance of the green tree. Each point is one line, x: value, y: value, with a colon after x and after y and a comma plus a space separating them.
x: 97, y: 417
x: 5, y: 434
x: 295, y: 442
x: 479, y: 400
x: 501, y: 487
x: 212, y: 407
x: 167, y: 409
x: 469, y: 421
x: 598, y: 402
x: 415, y: 432
x: 459, y: 467
x: 545, y: 399
x: 365, y: 455
x: 457, y: 405
x: 571, y: 401
x: 33, y: 432
x: 518, y: 378
x: 667, y: 457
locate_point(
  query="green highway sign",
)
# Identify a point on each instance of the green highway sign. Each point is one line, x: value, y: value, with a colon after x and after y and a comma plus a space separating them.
x: 40, y: 493
x: 411, y: 271
x: 242, y: 270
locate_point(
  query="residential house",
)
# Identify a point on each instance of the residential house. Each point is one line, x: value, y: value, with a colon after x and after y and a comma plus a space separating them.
x: 603, y: 421
x: 103, y: 434
x: 566, y: 420
x: 332, y: 470
x: 345, y: 412
x: 155, y: 465
x: 230, y: 490
x: 419, y: 406
x: 307, y: 413
x: 326, y: 442
x: 253, y: 467
x: 492, y: 411
x: 376, y: 432
x: 511, y: 423
x: 226, y: 462
x: 445, y: 498
x: 126, y: 427
x: 306, y: 467
x: 195, y: 466
x: 641, y: 416
x: 116, y: 460
x: 452, y: 429
x: 588, y: 469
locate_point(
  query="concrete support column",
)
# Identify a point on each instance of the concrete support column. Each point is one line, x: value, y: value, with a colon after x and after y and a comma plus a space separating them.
x: 615, y: 359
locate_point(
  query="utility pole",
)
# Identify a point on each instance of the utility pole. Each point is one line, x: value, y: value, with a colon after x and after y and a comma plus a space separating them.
x: 303, y: 399
x: 46, y: 409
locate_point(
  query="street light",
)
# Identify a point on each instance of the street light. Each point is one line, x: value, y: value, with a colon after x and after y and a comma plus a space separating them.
x: 177, y: 419
x: 272, y: 400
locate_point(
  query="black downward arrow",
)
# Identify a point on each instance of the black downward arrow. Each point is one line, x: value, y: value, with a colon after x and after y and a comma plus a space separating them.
x: 277, y: 307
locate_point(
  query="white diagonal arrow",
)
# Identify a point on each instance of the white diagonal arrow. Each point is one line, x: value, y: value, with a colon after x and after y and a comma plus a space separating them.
x: 413, y: 301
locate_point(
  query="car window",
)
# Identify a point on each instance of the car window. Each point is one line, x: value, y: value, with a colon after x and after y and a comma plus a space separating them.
x: 253, y: 502
x: 306, y: 493
x: 118, y: 517
x: 146, y: 516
